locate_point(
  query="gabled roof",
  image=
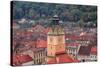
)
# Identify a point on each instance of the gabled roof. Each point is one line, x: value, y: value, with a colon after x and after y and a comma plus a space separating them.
x: 39, y: 28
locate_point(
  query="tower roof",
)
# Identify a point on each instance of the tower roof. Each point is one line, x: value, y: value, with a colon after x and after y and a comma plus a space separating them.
x: 56, y: 29
x: 55, y: 17
x: 55, y: 20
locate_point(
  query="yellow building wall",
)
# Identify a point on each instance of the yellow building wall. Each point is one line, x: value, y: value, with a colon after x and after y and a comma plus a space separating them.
x: 55, y: 44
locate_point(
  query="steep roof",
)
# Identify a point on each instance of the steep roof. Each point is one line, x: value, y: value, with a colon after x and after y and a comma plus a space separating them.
x: 39, y: 28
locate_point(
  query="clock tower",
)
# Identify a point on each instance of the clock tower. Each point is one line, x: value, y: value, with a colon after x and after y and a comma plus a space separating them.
x: 55, y: 38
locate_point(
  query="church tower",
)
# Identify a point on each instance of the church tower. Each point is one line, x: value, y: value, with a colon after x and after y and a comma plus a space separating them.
x: 55, y: 38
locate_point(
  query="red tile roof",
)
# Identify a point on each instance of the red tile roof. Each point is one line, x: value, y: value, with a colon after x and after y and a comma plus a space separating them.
x: 83, y: 37
x: 94, y: 50
x: 15, y: 60
x: 41, y: 44
x: 61, y: 52
x: 72, y: 37
x: 63, y: 58
x: 39, y: 28
x: 76, y: 61
x: 73, y: 44
x: 19, y: 59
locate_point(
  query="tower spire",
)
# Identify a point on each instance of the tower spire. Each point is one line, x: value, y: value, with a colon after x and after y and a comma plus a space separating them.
x: 55, y: 20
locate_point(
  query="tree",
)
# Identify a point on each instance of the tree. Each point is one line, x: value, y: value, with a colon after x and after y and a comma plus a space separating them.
x: 77, y: 14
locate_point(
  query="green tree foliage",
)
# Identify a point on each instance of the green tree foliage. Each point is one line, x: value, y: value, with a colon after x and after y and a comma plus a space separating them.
x: 75, y: 13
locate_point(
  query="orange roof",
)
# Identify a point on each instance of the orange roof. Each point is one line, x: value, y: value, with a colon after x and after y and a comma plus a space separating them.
x: 64, y: 58
x: 72, y: 37
x: 41, y: 44
x: 19, y: 59
x: 73, y: 44
x: 61, y: 52
x: 76, y: 61
x: 94, y: 50
x: 39, y: 28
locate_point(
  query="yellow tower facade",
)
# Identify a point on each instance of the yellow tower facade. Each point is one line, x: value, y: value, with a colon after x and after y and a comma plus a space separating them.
x: 55, y: 39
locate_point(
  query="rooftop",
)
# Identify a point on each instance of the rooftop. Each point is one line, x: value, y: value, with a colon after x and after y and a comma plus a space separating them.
x: 20, y: 59
x: 84, y: 50
x: 62, y: 58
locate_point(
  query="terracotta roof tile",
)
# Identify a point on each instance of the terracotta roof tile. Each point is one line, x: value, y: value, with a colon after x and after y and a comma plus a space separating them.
x: 19, y: 59
x: 73, y: 44
x: 94, y: 50
x: 41, y: 44
x: 64, y: 58
x: 61, y: 52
